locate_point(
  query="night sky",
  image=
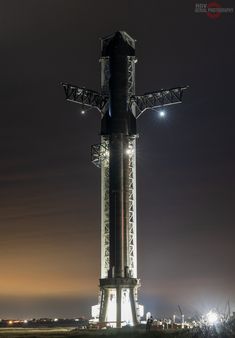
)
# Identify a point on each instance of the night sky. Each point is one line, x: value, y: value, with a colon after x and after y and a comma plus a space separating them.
x: 50, y: 192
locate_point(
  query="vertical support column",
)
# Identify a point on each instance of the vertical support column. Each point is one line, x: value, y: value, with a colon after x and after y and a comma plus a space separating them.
x: 105, y: 209
x: 132, y: 233
x: 132, y: 245
x: 126, y: 205
x: 105, y: 75
x: 133, y: 307
x: 119, y: 306
x: 103, y: 305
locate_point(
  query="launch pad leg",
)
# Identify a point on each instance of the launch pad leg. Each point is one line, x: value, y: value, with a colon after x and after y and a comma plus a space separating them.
x: 119, y: 307
x: 104, y: 304
x: 133, y: 306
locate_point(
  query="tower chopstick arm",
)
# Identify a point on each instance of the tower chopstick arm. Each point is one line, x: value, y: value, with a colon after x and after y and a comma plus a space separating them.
x: 160, y: 98
x: 84, y: 96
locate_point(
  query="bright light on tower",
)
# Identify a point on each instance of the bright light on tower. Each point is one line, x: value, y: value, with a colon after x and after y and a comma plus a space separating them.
x: 162, y: 113
x: 212, y: 317
x: 130, y: 150
x: 106, y: 154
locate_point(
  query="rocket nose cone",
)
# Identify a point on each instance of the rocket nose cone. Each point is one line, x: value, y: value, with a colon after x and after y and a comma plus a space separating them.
x: 118, y: 39
x: 118, y: 35
x: 119, y: 45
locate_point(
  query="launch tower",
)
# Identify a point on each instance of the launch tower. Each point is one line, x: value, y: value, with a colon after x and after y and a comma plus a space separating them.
x: 116, y: 157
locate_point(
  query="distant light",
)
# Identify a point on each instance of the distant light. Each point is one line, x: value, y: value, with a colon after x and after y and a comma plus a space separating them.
x: 162, y: 113
x: 56, y: 320
x: 25, y: 321
x: 76, y: 320
x: 10, y: 322
x: 212, y: 317
x: 82, y: 111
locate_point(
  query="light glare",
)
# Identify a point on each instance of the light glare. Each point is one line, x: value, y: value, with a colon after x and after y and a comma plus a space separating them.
x: 212, y: 317
x: 130, y: 150
x: 162, y: 113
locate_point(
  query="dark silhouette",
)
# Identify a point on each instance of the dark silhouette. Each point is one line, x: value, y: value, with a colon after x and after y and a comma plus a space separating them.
x: 149, y: 323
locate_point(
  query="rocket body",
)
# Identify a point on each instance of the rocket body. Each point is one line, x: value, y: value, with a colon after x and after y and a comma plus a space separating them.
x: 119, y: 124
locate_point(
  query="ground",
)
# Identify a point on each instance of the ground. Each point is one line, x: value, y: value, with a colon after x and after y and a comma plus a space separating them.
x: 71, y: 333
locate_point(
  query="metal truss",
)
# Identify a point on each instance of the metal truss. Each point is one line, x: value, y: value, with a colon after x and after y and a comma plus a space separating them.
x: 94, y: 99
x: 157, y: 99
x: 104, y: 161
x: 100, y: 158
x: 99, y: 153
x: 105, y: 76
x: 104, y: 209
x: 132, y: 230
x: 132, y: 245
x: 131, y: 75
x: 84, y: 96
